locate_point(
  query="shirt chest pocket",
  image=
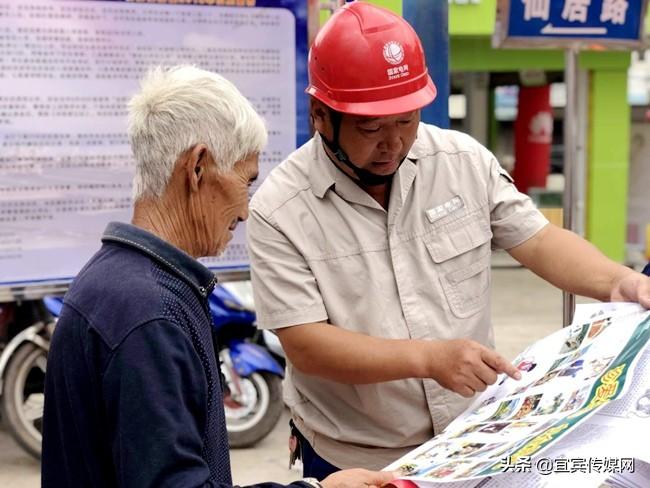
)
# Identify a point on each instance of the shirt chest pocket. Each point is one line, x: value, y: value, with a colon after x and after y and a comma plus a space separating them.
x: 461, y: 251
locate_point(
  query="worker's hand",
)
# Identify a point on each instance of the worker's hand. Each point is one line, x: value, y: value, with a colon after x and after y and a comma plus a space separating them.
x: 465, y: 366
x: 632, y: 287
x: 358, y: 478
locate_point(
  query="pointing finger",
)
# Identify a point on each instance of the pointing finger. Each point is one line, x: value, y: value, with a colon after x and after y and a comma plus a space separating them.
x: 499, y: 364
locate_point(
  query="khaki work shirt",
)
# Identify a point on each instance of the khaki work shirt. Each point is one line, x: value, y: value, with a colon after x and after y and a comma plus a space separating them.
x: 322, y: 249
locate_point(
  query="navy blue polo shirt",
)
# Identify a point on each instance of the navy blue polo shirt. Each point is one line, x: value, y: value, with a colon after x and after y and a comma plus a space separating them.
x: 133, y: 395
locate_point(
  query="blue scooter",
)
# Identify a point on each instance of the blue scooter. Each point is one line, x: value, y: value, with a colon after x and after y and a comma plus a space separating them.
x: 253, y: 401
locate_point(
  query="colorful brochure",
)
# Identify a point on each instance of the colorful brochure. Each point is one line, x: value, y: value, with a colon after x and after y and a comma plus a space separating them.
x: 566, y: 378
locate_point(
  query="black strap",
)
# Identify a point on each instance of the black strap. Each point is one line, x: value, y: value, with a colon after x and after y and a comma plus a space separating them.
x: 365, y: 176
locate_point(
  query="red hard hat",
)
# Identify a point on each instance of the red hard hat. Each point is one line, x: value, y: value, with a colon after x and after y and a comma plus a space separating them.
x: 366, y: 60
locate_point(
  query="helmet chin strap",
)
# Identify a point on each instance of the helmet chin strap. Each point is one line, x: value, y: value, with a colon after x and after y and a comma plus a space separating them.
x: 366, y: 177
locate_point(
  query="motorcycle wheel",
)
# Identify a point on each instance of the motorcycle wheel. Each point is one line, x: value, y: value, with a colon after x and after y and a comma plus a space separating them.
x: 253, y: 416
x: 23, y: 397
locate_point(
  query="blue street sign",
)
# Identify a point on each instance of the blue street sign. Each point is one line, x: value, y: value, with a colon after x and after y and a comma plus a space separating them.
x: 569, y: 22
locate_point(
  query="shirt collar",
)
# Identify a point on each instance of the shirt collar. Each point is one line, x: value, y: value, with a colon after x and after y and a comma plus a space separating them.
x: 322, y: 173
x: 418, y: 151
x: 173, y: 259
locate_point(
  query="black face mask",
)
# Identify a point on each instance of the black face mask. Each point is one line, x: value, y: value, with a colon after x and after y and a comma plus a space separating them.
x: 366, y: 177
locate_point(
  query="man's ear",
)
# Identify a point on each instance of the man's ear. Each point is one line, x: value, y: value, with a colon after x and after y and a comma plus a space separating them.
x: 196, y: 164
x: 319, y: 114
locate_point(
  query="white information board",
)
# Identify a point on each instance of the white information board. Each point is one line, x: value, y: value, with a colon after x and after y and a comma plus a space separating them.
x: 67, y: 70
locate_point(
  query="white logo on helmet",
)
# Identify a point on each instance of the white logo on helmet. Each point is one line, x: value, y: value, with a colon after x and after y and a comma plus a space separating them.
x: 393, y: 52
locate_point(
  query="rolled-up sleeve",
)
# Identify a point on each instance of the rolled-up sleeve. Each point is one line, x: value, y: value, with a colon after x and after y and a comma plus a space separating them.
x: 513, y: 215
x: 285, y: 289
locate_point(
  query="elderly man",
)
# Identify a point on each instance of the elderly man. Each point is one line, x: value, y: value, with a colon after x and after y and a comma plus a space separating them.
x: 370, y: 253
x: 133, y: 395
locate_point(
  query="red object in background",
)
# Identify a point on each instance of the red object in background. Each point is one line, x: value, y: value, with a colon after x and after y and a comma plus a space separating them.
x: 7, y: 313
x: 533, y: 137
x: 402, y: 484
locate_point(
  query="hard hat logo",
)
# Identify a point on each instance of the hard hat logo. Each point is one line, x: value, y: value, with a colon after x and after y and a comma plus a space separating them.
x: 393, y: 52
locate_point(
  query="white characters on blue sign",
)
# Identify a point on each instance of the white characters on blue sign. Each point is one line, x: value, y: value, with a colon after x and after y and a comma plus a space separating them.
x: 609, y: 20
x: 536, y: 9
x: 576, y: 10
x: 614, y: 11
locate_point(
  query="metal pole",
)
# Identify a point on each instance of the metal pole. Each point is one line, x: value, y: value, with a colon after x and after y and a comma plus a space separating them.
x: 580, y: 171
x: 570, y: 151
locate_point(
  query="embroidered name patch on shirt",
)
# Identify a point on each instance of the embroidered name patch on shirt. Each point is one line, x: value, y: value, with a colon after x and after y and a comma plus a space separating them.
x: 450, y: 206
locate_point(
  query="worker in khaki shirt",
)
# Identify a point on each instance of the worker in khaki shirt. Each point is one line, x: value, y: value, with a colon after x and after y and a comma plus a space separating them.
x: 370, y: 253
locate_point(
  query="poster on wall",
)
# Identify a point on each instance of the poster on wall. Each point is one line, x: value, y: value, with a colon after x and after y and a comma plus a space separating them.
x: 67, y: 71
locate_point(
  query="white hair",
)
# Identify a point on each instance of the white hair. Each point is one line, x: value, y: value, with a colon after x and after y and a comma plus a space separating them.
x: 180, y: 107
